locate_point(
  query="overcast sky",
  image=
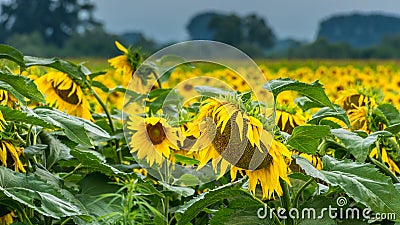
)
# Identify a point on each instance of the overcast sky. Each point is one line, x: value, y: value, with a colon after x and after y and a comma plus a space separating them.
x: 165, y: 20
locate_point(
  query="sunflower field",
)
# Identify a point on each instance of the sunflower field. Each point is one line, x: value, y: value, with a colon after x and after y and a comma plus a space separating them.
x: 111, y: 147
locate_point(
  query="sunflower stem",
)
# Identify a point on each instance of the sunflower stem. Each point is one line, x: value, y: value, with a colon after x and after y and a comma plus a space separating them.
x: 285, y: 200
x: 158, y: 80
x: 384, y: 169
x: 72, y: 172
x: 378, y: 150
x: 300, y: 191
x: 110, y: 121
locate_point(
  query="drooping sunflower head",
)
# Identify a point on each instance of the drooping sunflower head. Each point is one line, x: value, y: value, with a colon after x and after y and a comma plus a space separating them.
x: 287, y: 118
x: 7, y: 99
x: 10, y: 156
x: 350, y: 99
x: 236, y: 136
x: 64, y: 94
x: 153, y: 139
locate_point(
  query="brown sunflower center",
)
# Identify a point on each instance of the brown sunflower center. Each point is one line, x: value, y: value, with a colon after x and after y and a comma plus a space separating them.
x: 65, y: 95
x: 237, y: 151
x: 156, y: 133
x: 188, y: 87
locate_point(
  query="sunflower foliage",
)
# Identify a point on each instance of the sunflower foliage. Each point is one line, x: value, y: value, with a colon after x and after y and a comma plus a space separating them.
x: 65, y: 158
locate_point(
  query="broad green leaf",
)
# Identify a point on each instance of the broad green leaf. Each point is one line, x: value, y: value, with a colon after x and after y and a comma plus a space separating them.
x: 242, y: 211
x: 359, y: 147
x: 97, y: 183
x: 23, y: 85
x: 390, y: 112
x: 212, y: 91
x: 10, y: 53
x: 305, y: 103
x: 55, y: 150
x: 69, y: 68
x: 185, y: 160
x: 360, y: 181
x: 100, y: 85
x: 76, y: 129
x: 32, y: 150
x: 313, y: 91
x: 307, y: 138
x: 187, y: 180
x: 39, y: 194
x: 192, y: 208
x: 182, y: 191
x: 13, y: 92
x: 25, y: 115
x: 94, y: 162
x: 394, y: 129
x: 326, y: 112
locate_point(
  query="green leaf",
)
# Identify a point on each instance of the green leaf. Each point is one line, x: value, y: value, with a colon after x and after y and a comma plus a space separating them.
x: 23, y: 85
x: 305, y: 103
x: 361, y: 181
x: 10, y: 53
x: 391, y: 113
x: 25, y: 115
x: 192, y: 208
x: 55, y: 150
x: 187, y: 180
x: 306, y: 138
x: 95, y: 162
x: 212, y: 91
x: 395, y: 128
x: 181, y: 191
x: 314, y: 91
x: 245, y: 215
x: 75, y: 128
x: 326, y: 112
x: 97, y: 183
x: 100, y: 85
x: 13, y: 92
x: 359, y: 147
x: 39, y: 194
x: 69, y: 68
x: 32, y: 150
x: 185, y: 160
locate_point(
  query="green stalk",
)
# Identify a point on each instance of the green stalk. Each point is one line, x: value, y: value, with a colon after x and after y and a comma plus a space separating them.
x: 72, y: 172
x: 66, y: 221
x: 384, y: 169
x: 110, y: 121
x: 300, y: 191
x: 158, y: 80
x: 285, y: 200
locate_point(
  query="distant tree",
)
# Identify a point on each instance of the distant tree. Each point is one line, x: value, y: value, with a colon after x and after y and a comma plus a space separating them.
x: 228, y: 29
x: 257, y: 32
x: 94, y: 42
x: 251, y: 32
x: 359, y: 30
x: 55, y: 20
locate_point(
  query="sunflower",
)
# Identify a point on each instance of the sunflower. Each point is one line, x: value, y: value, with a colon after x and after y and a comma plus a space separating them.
x: 153, y: 139
x: 358, y: 117
x: 237, y: 141
x: 7, y: 99
x: 64, y: 94
x: 288, y: 118
x: 9, y: 154
x: 126, y: 64
x: 313, y: 159
x: 7, y: 218
x: 352, y: 98
x: 386, y: 159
